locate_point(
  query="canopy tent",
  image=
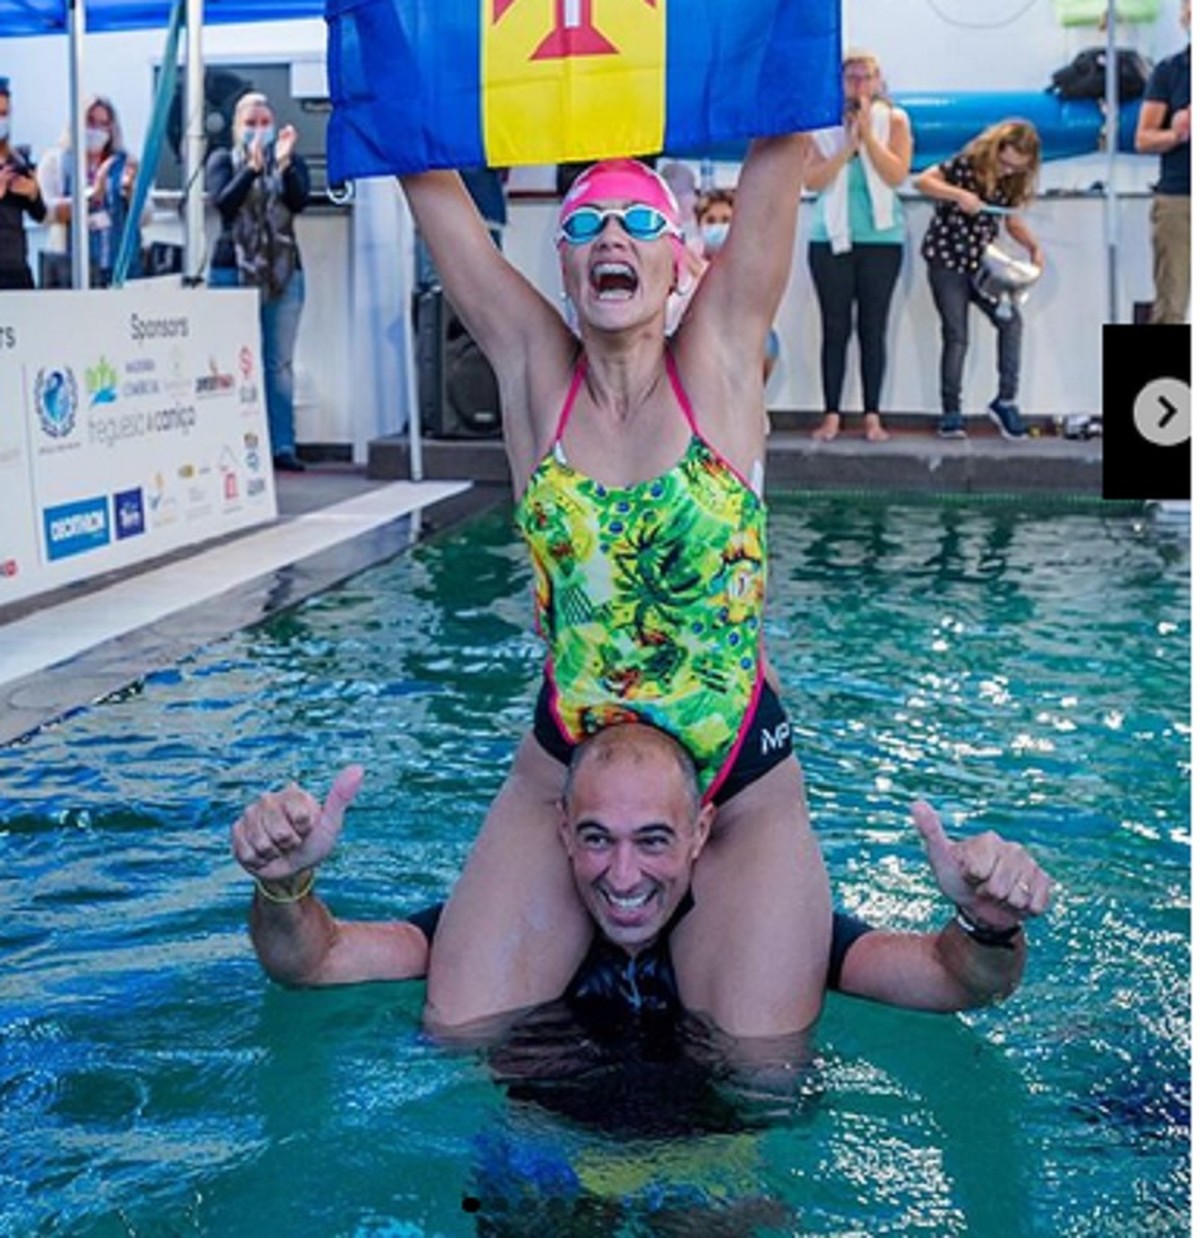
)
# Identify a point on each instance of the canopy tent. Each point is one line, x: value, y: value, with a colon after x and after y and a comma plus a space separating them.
x: 29, y: 17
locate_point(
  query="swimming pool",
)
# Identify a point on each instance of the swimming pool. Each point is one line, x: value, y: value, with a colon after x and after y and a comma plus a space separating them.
x: 1025, y: 669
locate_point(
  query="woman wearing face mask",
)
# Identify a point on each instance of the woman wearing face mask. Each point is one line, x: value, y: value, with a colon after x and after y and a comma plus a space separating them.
x: 258, y: 188
x: 110, y: 177
x: 857, y: 240
x: 992, y: 178
x: 19, y: 196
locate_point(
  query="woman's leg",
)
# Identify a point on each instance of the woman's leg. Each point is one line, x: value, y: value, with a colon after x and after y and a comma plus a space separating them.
x: 753, y: 953
x: 951, y: 296
x: 1009, y: 330
x: 514, y: 931
x: 280, y: 327
x: 876, y: 271
x: 833, y: 277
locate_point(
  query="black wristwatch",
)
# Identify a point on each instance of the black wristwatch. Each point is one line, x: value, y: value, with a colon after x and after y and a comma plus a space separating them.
x: 985, y: 935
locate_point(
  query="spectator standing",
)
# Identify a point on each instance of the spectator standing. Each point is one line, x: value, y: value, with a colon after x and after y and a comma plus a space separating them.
x: 258, y: 188
x: 19, y: 196
x: 1164, y: 128
x: 111, y: 172
x: 990, y: 179
x: 857, y: 242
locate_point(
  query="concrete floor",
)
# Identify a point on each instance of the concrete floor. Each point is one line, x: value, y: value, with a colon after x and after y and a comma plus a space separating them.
x: 913, y: 459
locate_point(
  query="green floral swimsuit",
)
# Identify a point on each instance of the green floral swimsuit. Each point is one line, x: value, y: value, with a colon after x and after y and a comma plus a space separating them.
x: 650, y: 597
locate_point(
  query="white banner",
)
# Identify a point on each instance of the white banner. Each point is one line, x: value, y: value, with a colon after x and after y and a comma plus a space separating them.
x: 133, y: 424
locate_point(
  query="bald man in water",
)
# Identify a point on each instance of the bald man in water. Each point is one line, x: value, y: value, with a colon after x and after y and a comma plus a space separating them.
x: 633, y: 825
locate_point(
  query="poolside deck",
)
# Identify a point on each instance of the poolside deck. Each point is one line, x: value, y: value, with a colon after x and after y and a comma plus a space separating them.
x: 913, y: 459
x: 66, y: 649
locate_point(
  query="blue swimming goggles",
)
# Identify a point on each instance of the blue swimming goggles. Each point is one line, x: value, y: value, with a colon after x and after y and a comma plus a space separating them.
x: 643, y: 223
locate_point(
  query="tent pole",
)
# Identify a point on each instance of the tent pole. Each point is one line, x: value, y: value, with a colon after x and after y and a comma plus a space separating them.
x: 79, y: 187
x: 193, y: 149
x: 1112, y: 133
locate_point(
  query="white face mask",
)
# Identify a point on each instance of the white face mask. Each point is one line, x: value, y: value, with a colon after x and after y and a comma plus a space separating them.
x: 97, y: 140
x: 714, y: 236
x: 265, y: 135
x: 4, y: 129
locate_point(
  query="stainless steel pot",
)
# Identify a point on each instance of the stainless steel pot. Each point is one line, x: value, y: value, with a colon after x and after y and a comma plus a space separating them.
x: 1005, y: 280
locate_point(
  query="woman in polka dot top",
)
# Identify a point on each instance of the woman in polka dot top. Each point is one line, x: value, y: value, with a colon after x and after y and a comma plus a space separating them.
x: 989, y: 180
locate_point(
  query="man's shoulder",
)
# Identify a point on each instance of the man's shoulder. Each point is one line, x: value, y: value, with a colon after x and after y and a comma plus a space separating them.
x: 1168, y: 74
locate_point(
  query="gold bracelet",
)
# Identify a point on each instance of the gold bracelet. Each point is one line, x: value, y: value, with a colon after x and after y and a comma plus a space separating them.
x: 284, y: 900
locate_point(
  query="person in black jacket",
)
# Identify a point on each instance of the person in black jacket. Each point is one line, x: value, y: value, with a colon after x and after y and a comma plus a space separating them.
x: 19, y: 196
x: 258, y: 188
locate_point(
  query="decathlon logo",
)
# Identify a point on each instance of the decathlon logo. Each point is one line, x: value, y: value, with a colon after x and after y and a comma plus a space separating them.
x: 776, y: 740
x: 75, y: 528
x: 56, y: 394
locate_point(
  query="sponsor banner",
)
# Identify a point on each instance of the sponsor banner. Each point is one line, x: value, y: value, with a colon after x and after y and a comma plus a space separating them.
x: 137, y: 426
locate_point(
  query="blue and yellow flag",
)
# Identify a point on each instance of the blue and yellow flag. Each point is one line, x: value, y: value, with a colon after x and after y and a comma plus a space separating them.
x: 422, y: 84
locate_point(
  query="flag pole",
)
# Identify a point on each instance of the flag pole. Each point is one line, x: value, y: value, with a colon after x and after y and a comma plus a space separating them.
x: 80, y: 272
x: 193, y: 148
x: 1112, y: 132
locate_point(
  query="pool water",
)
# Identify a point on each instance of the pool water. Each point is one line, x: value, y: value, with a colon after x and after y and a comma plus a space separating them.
x: 1026, y: 669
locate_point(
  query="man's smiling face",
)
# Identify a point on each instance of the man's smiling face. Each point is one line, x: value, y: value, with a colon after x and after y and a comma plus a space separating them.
x: 633, y: 828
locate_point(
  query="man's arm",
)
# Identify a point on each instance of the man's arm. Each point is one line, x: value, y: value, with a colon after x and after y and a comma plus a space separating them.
x: 979, y: 956
x: 280, y: 840
x: 1154, y: 135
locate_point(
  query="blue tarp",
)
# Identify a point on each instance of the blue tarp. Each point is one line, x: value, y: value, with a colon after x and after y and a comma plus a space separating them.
x: 26, y: 17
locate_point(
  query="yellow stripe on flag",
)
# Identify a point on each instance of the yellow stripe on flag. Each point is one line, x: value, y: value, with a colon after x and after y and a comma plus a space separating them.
x: 573, y: 80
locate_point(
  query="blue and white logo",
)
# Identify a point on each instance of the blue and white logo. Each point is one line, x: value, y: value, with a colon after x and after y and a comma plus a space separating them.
x: 56, y: 394
x: 75, y: 528
x: 129, y: 513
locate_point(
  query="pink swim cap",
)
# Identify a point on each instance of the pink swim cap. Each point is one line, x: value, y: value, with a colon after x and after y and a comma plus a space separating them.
x: 628, y: 180
x: 621, y: 180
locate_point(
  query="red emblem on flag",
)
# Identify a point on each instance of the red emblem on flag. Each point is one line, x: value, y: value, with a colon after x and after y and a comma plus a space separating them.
x: 574, y: 32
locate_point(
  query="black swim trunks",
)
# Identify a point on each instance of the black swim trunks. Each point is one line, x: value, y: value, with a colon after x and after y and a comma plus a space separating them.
x: 767, y: 741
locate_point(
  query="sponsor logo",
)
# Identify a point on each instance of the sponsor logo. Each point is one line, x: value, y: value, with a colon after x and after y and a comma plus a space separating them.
x: 252, y: 451
x: 101, y: 382
x: 164, y: 507
x: 75, y: 528
x: 255, y: 486
x: 56, y: 396
x: 9, y: 567
x: 129, y: 514
x: 774, y: 740
x: 178, y: 419
x: 139, y: 388
x: 214, y: 382
x: 140, y: 365
x: 177, y: 381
